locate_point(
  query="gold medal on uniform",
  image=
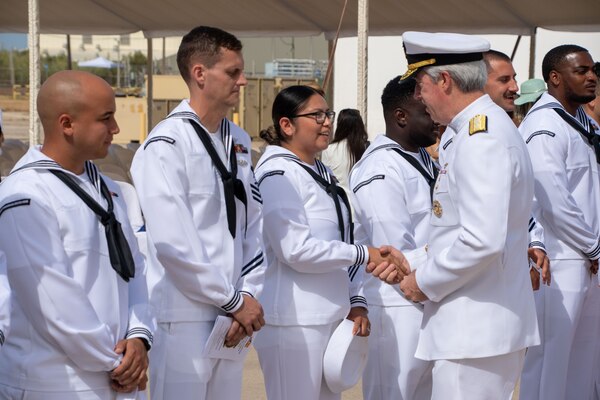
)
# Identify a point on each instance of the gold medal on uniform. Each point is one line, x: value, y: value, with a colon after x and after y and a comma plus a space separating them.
x: 437, y: 209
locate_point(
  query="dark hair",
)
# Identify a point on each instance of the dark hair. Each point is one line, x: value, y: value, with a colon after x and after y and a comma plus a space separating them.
x: 556, y: 56
x: 351, y: 127
x: 287, y: 103
x: 397, y: 93
x: 494, y: 55
x: 204, y: 43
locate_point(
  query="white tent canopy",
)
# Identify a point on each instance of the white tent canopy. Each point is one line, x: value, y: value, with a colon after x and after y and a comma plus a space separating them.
x: 159, y: 18
x: 98, y: 62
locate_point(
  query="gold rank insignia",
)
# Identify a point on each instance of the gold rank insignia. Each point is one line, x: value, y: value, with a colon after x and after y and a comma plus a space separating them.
x: 437, y: 209
x: 477, y: 124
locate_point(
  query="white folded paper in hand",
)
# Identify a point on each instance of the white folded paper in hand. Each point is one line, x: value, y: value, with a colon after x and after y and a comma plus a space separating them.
x: 215, y: 345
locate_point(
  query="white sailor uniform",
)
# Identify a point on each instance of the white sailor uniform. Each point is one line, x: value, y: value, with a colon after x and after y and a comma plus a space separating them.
x: 4, y: 301
x: 392, y: 204
x: 197, y: 269
x: 567, y: 195
x: 481, y: 314
x: 312, y: 279
x: 70, y: 308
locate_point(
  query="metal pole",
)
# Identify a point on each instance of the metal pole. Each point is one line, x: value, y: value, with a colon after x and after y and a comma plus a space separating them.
x: 150, y: 86
x: 11, y: 68
x: 363, y: 38
x: 69, y: 56
x: 532, y: 53
x: 163, y: 67
x: 34, y: 70
x: 514, y: 52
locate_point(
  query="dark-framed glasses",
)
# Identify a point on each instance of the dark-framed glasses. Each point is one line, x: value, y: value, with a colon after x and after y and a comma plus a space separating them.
x: 318, y: 116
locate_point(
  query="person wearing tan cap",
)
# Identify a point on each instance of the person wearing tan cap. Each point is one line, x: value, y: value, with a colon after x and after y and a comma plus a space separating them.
x: 531, y: 91
x: 479, y: 313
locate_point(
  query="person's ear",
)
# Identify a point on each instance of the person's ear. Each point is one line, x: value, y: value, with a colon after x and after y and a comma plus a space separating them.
x: 65, y: 121
x: 198, y: 74
x: 401, y: 117
x: 444, y: 80
x: 287, y: 127
x: 554, y: 78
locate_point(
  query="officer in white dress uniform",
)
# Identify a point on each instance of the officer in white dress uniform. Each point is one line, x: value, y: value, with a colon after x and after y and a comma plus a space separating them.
x: 80, y: 326
x: 564, y: 152
x: 4, y: 301
x: 502, y: 88
x: 203, y: 215
x: 391, y: 195
x: 480, y: 314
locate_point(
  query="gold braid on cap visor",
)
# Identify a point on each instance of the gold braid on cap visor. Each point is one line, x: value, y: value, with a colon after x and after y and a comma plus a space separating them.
x: 412, y: 68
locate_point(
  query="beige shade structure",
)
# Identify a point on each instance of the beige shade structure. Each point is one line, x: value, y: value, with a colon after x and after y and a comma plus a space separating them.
x: 159, y: 18
x: 247, y: 18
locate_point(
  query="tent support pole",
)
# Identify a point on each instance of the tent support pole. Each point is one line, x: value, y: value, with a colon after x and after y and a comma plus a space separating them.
x: 532, y: 53
x: 150, y: 86
x: 34, y: 70
x: 514, y: 52
x: 363, y: 40
x: 69, y: 54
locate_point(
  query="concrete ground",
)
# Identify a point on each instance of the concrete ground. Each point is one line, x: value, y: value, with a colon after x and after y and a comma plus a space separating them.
x: 254, y: 389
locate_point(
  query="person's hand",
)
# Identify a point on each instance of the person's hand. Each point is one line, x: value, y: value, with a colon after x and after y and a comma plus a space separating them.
x: 362, y: 325
x: 388, y: 264
x: 535, y: 278
x: 250, y: 315
x: 131, y: 373
x: 235, y: 333
x: 541, y: 260
x: 411, y: 289
x: 594, y: 267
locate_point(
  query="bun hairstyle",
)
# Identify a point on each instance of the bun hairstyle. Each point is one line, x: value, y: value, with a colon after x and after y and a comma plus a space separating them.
x: 287, y: 103
x: 270, y: 136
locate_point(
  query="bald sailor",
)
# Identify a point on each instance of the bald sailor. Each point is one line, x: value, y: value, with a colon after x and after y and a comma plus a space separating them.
x: 81, y: 325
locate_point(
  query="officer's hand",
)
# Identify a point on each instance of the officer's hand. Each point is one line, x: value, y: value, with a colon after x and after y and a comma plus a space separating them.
x: 411, y: 290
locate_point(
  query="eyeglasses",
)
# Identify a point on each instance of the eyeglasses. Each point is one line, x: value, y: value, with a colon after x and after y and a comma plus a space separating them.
x: 318, y: 116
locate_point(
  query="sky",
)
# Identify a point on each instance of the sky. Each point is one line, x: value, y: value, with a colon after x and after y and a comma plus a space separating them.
x: 13, y: 40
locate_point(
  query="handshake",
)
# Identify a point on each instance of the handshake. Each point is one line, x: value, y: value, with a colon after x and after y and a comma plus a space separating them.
x: 391, y: 266
x: 388, y: 264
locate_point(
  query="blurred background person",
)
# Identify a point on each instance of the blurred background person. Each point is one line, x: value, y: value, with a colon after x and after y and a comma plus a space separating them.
x: 348, y: 145
x: 592, y: 109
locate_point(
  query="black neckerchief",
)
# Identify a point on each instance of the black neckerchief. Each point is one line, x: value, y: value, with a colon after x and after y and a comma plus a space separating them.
x: 328, y: 184
x: 232, y: 186
x: 118, y: 248
x: 417, y: 165
x: 589, y: 134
